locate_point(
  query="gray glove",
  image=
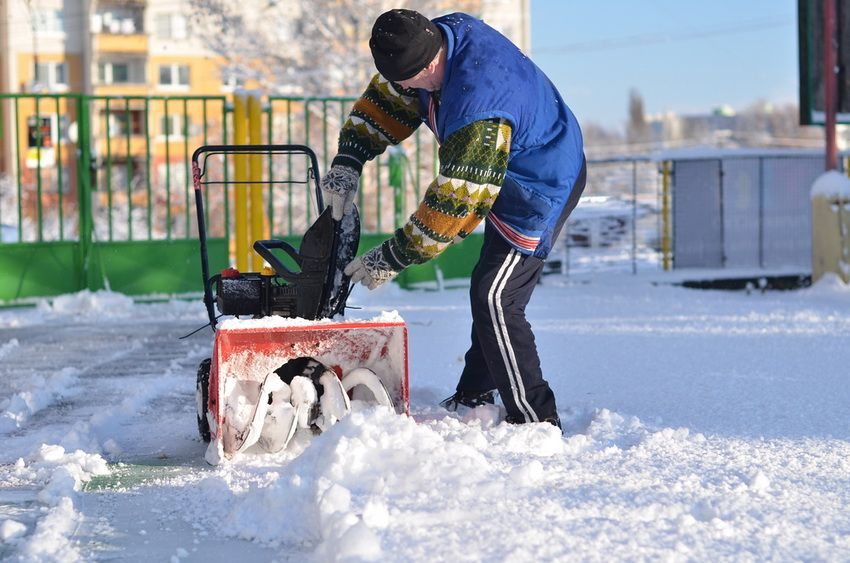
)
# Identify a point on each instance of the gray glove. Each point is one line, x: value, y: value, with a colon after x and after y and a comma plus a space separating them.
x: 371, y: 269
x: 339, y: 186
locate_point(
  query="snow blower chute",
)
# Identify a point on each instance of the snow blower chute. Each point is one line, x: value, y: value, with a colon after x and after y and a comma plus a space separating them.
x: 280, y: 360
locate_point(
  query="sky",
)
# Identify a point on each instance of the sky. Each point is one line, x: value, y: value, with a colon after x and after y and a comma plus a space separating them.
x: 681, y: 56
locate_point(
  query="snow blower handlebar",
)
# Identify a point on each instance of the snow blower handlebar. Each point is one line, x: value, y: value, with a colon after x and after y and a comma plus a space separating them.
x: 318, y: 290
x: 264, y: 248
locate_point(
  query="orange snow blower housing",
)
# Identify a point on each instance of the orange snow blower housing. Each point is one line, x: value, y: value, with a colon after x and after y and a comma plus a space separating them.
x: 285, y: 358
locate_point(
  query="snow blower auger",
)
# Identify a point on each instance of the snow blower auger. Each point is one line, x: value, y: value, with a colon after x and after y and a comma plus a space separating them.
x: 282, y: 361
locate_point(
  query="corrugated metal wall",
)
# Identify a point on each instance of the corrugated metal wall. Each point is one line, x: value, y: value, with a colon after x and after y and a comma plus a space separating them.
x: 744, y: 211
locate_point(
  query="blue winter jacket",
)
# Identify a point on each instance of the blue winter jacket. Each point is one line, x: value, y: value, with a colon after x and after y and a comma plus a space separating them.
x: 487, y: 77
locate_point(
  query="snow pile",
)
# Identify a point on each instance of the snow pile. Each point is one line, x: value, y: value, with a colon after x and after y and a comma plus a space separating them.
x: 11, y: 530
x: 60, y: 476
x: 61, y: 473
x: 103, y: 304
x: 42, y: 391
x: 8, y: 347
x: 232, y: 323
x: 377, y: 485
x: 829, y: 286
x: 88, y: 303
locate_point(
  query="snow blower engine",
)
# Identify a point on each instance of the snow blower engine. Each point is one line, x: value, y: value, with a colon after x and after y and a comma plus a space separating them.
x: 283, y: 361
x: 319, y: 290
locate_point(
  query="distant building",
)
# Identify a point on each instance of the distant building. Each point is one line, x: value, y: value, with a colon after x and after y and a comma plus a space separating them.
x: 758, y: 126
x: 712, y: 128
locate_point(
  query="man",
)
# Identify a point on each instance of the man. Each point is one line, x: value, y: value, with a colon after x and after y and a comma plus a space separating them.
x: 510, y: 151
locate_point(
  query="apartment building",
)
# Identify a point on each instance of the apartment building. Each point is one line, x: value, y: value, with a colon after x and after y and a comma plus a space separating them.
x: 137, y: 58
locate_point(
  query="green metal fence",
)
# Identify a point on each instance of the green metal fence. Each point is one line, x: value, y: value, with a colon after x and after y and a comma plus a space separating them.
x: 391, y: 186
x: 39, y: 209
x: 143, y: 179
x: 95, y: 191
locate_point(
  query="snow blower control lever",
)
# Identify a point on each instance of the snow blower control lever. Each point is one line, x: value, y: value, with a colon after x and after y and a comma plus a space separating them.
x: 316, y: 287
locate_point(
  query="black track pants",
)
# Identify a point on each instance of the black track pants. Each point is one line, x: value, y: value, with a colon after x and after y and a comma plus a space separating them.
x: 503, y: 354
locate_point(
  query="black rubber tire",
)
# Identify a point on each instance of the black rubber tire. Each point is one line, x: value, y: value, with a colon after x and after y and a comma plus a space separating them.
x: 202, y: 399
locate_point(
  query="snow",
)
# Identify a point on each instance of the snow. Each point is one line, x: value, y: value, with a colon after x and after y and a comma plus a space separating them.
x: 698, y: 425
x: 831, y: 185
x: 281, y: 322
x: 41, y: 392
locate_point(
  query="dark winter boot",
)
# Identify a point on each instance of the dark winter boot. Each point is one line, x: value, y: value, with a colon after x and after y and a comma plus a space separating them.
x: 553, y: 420
x: 469, y: 399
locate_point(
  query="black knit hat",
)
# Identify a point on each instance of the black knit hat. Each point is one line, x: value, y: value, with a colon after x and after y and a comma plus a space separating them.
x: 403, y: 43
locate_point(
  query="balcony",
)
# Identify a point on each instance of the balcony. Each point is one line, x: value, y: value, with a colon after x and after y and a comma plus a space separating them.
x: 120, y: 29
x: 121, y: 43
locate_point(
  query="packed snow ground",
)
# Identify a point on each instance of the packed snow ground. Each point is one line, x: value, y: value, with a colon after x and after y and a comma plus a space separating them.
x: 699, y: 425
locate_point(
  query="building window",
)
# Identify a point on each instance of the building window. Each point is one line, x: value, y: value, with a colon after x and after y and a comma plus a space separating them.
x: 52, y: 75
x: 173, y: 126
x: 174, y: 75
x: 231, y: 79
x: 121, y: 72
x: 171, y: 26
x: 48, y: 21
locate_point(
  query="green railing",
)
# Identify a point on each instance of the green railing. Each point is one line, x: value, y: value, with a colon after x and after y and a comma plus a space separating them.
x: 95, y: 191
x: 391, y: 186
x: 145, y: 163
x: 26, y: 188
x: 132, y: 154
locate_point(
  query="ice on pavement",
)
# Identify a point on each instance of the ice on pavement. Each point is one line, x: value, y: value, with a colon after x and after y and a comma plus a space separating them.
x: 698, y: 425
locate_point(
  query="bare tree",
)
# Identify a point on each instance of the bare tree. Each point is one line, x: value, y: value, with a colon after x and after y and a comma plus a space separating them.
x: 599, y: 135
x: 300, y: 47
x: 637, y: 130
x: 767, y: 124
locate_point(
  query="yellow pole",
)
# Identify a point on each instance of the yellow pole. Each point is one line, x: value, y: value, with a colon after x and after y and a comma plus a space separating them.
x: 240, y: 137
x: 665, y: 215
x: 830, y: 196
x: 255, y: 131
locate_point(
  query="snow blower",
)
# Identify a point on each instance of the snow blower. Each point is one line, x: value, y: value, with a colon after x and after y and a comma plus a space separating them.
x: 281, y: 360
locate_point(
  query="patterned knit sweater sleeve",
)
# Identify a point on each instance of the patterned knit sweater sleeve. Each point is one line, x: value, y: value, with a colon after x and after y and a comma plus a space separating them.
x: 386, y: 114
x: 473, y: 163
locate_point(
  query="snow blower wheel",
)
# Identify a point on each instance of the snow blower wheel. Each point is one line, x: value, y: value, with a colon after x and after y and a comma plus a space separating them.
x: 202, y: 397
